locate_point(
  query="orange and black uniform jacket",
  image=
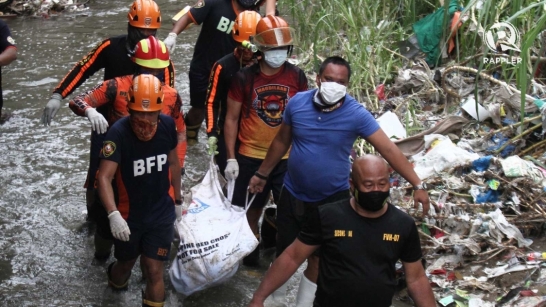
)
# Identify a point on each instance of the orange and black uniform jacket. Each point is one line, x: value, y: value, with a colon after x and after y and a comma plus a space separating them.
x: 112, y: 55
x: 113, y: 93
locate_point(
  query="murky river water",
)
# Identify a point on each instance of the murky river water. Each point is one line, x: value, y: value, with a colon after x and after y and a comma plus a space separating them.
x: 46, y: 247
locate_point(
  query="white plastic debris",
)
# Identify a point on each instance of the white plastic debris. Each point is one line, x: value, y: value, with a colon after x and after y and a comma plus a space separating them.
x: 470, y: 106
x: 443, y: 155
x: 391, y: 125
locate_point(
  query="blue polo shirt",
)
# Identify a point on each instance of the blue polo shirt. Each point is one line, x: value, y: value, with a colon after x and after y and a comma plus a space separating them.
x: 319, y: 164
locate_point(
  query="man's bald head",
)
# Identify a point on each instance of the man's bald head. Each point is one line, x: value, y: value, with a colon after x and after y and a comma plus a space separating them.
x: 369, y: 172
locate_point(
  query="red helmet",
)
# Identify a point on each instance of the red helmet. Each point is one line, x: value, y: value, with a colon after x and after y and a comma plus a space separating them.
x: 273, y: 31
x: 245, y: 25
x: 145, y: 94
x: 144, y: 14
x: 151, y: 53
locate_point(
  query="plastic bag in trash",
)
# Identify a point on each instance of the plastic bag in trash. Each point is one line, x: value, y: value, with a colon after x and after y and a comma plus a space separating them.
x: 515, y: 166
x: 481, y: 164
x: 499, y: 141
x: 508, y: 229
x: 443, y: 155
x: 491, y: 196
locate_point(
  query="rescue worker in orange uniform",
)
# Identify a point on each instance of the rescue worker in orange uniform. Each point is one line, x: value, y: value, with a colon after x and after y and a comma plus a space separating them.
x: 139, y: 160
x: 112, y: 54
x: 152, y: 57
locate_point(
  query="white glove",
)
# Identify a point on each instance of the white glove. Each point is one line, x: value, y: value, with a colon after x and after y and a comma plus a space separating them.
x: 118, y: 226
x: 178, y: 212
x: 52, y: 106
x: 170, y: 42
x: 98, y: 122
x: 232, y: 169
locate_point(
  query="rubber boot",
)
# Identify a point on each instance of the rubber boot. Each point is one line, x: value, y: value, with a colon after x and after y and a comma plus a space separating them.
x: 253, y: 259
x: 191, y: 134
x: 148, y: 303
x: 103, y: 247
x: 111, y: 284
x: 306, y: 292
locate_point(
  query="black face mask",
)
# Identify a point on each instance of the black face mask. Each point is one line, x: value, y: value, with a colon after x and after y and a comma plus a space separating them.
x: 371, y: 201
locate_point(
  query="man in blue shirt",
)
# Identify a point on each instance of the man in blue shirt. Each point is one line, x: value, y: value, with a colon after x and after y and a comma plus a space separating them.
x: 322, y: 125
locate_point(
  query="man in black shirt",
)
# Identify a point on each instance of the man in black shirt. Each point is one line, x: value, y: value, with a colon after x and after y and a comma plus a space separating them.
x: 360, y: 241
x: 216, y: 18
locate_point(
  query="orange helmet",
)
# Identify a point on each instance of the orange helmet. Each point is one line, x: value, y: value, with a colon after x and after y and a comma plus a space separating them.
x: 273, y: 31
x: 151, y: 53
x: 144, y: 14
x: 145, y: 94
x: 245, y: 25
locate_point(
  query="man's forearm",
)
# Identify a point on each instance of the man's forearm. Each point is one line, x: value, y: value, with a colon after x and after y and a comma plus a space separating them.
x: 276, y: 151
x: 176, y: 176
x: 421, y: 292
x: 181, y: 24
x: 401, y: 165
x: 9, y: 55
x: 230, y: 136
x: 106, y: 193
x: 394, y: 156
x: 279, y: 272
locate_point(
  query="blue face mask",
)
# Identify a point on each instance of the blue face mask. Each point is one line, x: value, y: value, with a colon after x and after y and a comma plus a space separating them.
x: 371, y: 201
x: 275, y: 58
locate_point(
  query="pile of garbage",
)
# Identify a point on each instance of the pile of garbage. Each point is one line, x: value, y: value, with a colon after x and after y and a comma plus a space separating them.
x: 40, y: 8
x: 485, y: 167
x: 482, y: 153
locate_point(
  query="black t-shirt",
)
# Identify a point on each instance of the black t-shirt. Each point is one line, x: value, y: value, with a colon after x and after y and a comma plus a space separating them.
x: 215, y: 40
x: 358, y: 254
x: 220, y: 79
x: 143, y: 185
x: 110, y: 54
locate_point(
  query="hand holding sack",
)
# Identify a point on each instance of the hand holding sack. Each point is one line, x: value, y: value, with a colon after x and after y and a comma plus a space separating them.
x: 232, y: 169
x: 212, y: 150
x: 118, y: 226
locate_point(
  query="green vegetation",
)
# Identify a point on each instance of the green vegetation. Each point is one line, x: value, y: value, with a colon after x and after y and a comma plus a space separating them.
x: 366, y: 32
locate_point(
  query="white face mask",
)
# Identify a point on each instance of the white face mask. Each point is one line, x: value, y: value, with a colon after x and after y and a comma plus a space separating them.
x: 332, y: 92
x: 275, y: 58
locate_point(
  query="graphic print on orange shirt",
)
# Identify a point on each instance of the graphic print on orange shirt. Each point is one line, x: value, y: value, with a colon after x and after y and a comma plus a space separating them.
x: 270, y: 102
